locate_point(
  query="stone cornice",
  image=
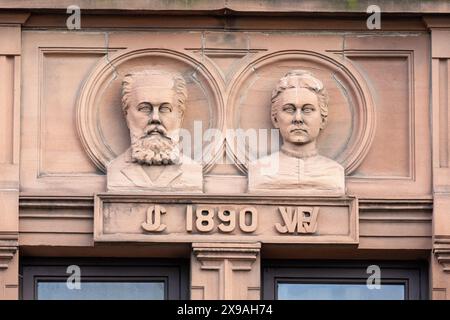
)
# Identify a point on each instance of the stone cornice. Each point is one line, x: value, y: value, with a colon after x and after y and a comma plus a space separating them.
x: 437, y: 22
x: 228, y: 260
x: 13, y: 18
x: 63, y: 201
x: 237, y: 6
x: 234, y: 251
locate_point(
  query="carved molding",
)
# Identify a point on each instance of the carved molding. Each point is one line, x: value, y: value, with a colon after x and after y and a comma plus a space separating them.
x: 440, y: 73
x: 410, y: 219
x: 412, y: 144
x: 14, y: 18
x: 441, y: 250
x: 6, y: 254
x: 55, y: 202
x: 9, y: 245
x: 441, y: 117
x: 10, y: 64
x: 229, y: 260
x: 226, y: 69
x: 44, y: 107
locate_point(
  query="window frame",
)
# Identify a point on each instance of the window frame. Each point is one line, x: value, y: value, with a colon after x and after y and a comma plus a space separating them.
x: 173, y: 272
x: 413, y: 275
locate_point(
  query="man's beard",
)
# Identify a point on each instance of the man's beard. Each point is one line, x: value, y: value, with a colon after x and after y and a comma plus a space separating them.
x: 154, y: 149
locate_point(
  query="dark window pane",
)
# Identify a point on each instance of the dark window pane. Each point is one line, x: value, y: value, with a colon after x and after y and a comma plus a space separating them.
x: 101, y: 291
x: 326, y: 291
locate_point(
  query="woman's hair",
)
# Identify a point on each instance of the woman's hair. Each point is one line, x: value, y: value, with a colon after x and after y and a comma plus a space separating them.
x: 300, y: 79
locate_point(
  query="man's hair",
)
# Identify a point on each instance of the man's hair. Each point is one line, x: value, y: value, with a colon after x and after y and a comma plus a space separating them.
x: 179, y: 86
x: 300, y: 79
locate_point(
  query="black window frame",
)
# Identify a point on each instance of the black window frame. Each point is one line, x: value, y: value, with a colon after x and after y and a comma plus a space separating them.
x: 173, y: 272
x: 413, y: 274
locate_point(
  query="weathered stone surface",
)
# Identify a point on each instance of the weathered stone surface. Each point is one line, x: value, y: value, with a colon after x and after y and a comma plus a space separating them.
x: 65, y: 145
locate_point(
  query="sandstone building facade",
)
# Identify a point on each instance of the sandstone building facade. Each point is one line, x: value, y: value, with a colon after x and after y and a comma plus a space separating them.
x: 355, y: 113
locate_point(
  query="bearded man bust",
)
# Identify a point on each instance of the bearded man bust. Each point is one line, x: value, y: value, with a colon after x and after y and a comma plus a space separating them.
x: 153, y: 102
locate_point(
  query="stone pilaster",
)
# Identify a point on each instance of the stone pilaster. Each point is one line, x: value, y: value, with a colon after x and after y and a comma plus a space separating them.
x: 225, y: 271
x: 440, y: 86
x: 10, y: 52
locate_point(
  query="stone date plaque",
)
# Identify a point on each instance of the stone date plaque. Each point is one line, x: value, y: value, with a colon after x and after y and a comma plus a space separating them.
x: 196, y: 218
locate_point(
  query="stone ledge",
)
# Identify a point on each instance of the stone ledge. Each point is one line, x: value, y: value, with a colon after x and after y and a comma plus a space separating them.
x: 238, y: 6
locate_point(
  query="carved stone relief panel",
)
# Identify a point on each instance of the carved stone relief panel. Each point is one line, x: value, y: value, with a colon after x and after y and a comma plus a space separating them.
x: 153, y: 103
x: 100, y: 119
x: 299, y: 110
x: 189, y: 218
x: 351, y: 122
x: 229, y: 82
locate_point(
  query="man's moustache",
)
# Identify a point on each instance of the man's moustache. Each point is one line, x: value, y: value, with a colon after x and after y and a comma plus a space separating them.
x: 154, y: 128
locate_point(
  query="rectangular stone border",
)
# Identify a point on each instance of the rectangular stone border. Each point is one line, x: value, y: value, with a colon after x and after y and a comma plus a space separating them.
x: 111, y: 197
